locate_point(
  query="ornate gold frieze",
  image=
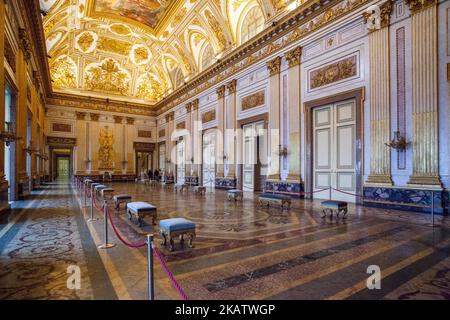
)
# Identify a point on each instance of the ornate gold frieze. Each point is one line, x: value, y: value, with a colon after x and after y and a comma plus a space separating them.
x: 209, y: 116
x: 293, y: 57
x: 254, y: 100
x: 62, y: 127
x: 274, y: 66
x: 337, y: 71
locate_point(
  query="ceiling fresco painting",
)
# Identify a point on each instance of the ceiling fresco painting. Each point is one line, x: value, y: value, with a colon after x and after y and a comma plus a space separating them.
x: 141, y: 50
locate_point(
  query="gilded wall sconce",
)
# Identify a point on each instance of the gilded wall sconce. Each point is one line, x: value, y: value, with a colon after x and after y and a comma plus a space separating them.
x: 398, y: 142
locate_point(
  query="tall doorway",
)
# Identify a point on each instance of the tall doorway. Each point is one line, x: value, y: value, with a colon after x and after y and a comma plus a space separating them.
x: 62, y: 167
x: 143, y: 162
x: 10, y: 103
x: 181, y: 172
x: 209, y: 159
x: 253, y: 151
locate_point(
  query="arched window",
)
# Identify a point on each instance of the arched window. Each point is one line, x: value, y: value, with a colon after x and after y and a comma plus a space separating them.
x: 208, y: 56
x: 252, y: 25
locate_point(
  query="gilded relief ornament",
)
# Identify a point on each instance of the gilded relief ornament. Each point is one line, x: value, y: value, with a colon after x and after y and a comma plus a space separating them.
x: 106, y: 151
x: 274, y: 66
x: 140, y: 54
x: 148, y: 88
x: 217, y: 30
x: 378, y: 16
x: 86, y: 41
x: 417, y: 5
x: 63, y: 72
x: 293, y: 57
x: 107, y: 76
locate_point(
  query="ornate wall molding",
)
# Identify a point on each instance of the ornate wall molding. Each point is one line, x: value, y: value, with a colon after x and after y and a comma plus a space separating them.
x: 209, y: 116
x: 254, y: 100
x: 181, y: 125
x: 144, y: 134
x: 60, y: 142
x: 337, y: 71
x: 62, y: 127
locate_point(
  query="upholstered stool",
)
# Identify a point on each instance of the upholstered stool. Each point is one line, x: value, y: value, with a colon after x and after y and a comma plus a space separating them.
x: 333, y: 206
x: 181, y: 187
x: 266, y: 199
x: 200, y: 190
x: 121, y: 198
x: 176, y: 227
x: 140, y: 210
x: 235, y: 195
x: 107, y: 193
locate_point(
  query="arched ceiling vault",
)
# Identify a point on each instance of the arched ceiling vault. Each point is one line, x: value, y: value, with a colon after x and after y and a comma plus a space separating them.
x: 128, y: 49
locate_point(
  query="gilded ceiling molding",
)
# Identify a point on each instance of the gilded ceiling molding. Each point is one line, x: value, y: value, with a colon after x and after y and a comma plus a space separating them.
x: 378, y: 16
x: 418, y: 5
x: 220, y: 92
x: 231, y: 86
x: 274, y: 66
x: 294, y: 57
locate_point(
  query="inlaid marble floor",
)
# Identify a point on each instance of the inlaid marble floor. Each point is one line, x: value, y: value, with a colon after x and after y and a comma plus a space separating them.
x: 241, y: 251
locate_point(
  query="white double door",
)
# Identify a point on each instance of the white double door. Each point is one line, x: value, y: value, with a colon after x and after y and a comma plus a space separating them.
x: 253, y: 149
x: 334, y: 143
x: 181, y: 162
x: 209, y: 159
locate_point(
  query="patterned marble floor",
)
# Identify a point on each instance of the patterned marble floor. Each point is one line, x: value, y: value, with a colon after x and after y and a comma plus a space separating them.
x: 241, y: 251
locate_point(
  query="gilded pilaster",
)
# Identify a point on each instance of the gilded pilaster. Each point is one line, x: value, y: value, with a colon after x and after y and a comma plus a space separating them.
x: 380, y: 100
x: 188, y: 143
x: 197, y: 139
x: 231, y: 126
x: 293, y: 58
x: 274, y: 118
x: 424, y: 48
x: 220, y: 132
x: 170, y: 150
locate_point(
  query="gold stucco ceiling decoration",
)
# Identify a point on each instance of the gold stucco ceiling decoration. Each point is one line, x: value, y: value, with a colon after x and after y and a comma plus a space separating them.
x: 138, y: 50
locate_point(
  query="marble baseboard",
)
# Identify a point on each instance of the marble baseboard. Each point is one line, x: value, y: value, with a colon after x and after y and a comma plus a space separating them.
x: 417, y: 200
x: 4, y: 200
x: 225, y: 183
x: 294, y: 189
x: 191, y: 180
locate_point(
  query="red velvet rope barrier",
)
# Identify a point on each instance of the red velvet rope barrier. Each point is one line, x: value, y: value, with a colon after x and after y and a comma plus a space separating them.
x: 116, y: 231
x: 351, y: 194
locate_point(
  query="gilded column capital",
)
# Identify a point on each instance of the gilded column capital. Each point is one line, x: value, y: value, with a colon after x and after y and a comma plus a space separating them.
x: 231, y: 86
x: 94, y: 116
x: 118, y: 119
x: 221, y: 92
x: 294, y: 57
x: 418, y: 5
x: 24, y: 43
x: 130, y: 120
x: 80, y: 115
x: 274, y: 66
x: 377, y: 17
x: 195, y: 104
x: 171, y: 115
x: 167, y: 117
x: 36, y: 80
x: 188, y: 107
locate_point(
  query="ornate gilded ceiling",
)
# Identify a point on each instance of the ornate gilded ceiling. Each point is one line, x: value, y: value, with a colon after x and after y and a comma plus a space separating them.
x: 142, y: 50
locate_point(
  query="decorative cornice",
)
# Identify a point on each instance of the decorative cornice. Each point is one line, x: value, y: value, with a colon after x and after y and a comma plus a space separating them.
x: 220, y: 92
x: 94, y: 116
x: 418, y: 5
x: 231, y: 86
x: 294, y: 57
x: 378, y: 16
x: 274, y: 66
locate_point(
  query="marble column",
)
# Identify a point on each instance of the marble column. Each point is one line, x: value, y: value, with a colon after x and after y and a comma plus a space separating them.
x: 231, y: 130
x: 424, y: 49
x: 188, y: 141
x: 3, y: 183
x: 220, y: 131
x: 380, y: 98
x: 196, y: 139
x: 170, y: 145
x: 293, y: 58
x: 274, y: 118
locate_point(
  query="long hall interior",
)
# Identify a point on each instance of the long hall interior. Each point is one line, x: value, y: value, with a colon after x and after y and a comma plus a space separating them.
x: 238, y: 149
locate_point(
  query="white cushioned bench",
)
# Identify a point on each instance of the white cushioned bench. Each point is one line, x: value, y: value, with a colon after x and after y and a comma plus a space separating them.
x: 121, y: 198
x: 176, y: 227
x: 235, y: 195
